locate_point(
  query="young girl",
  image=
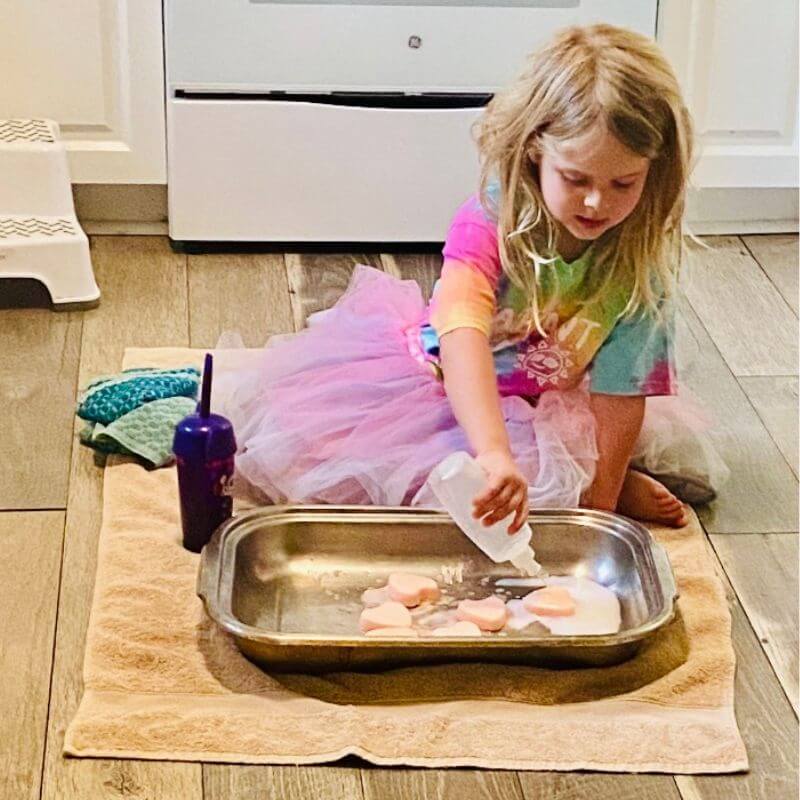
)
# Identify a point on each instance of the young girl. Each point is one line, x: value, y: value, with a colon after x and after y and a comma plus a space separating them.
x: 547, y: 331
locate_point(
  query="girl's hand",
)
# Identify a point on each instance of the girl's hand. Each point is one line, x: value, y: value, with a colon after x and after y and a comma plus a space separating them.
x: 507, y: 491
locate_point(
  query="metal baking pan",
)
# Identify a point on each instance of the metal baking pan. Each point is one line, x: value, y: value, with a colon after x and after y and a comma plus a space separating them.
x: 286, y: 582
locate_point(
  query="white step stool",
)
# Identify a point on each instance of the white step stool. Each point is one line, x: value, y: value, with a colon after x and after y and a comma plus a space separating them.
x: 40, y: 236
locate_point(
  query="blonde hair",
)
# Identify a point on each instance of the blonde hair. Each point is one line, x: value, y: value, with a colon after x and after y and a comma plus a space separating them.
x: 587, y: 75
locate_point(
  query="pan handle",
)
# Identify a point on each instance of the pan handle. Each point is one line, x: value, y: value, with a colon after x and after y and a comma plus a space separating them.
x: 208, y: 569
x: 666, y: 576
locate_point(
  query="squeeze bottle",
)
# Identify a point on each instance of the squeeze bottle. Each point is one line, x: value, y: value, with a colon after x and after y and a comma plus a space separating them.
x: 456, y: 482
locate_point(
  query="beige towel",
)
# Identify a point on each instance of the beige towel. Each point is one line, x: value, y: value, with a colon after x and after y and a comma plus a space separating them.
x: 162, y: 682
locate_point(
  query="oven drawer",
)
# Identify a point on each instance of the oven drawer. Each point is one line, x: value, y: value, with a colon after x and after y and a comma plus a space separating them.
x: 370, y: 45
x: 262, y: 170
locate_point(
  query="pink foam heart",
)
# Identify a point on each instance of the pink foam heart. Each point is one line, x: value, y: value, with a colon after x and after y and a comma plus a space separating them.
x: 489, y: 614
x: 411, y: 590
x: 386, y: 615
x: 374, y: 597
x: 407, y: 632
x: 552, y: 601
x: 463, y: 628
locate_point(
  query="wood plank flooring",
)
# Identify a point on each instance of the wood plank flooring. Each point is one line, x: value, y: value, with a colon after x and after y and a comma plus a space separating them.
x: 775, y: 401
x: 30, y: 564
x: 38, y: 379
x: 51, y: 491
x: 744, y: 313
x: 761, y: 494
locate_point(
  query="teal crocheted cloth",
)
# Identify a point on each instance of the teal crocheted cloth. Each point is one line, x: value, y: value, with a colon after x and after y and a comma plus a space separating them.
x: 146, y: 432
x: 107, y: 399
x: 135, y: 412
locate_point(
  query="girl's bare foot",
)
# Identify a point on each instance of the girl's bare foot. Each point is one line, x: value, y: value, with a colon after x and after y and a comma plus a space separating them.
x: 643, y: 497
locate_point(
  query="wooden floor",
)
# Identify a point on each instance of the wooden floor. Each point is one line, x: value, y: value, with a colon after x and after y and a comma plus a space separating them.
x: 742, y: 314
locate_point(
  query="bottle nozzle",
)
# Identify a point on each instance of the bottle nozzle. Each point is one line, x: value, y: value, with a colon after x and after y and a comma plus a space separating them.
x: 526, y: 562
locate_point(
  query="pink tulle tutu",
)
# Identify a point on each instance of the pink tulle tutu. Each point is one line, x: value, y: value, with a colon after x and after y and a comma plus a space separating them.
x: 343, y: 412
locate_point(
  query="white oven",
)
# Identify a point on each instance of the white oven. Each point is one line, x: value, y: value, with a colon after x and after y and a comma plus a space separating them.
x: 341, y: 120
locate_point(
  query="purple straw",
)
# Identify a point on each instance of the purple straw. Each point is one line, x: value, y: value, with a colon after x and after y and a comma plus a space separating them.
x: 205, y: 395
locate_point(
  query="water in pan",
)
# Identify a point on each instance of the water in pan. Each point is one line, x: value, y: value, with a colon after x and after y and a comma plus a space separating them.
x: 328, y: 603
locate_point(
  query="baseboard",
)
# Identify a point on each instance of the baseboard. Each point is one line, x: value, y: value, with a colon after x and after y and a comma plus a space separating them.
x: 735, y: 211
x: 120, y: 228
x: 127, y: 209
x: 132, y: 209
x: 737, y: 227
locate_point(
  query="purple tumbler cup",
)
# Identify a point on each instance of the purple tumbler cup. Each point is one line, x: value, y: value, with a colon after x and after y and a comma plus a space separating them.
x: 204, y: 448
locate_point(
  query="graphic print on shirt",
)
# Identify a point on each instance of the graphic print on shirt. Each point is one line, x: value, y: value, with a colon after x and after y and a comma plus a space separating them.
x: 584, y: 327
x: 553, y: 361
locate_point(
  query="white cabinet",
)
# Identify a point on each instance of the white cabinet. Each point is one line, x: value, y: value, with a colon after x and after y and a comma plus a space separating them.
x: 96, y: 68
x: 737, y: 64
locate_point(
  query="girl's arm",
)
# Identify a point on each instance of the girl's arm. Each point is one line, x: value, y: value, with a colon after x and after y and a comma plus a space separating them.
x: 471, y: 386
x: 618, y: 420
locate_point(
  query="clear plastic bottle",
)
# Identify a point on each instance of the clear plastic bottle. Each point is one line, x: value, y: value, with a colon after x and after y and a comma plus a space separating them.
x: 456, y: 482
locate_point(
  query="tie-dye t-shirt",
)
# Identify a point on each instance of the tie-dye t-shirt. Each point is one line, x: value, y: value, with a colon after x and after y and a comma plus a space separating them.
x: 622, y: 356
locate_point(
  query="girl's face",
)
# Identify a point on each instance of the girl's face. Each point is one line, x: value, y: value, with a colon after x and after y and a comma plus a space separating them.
x: 589, y: 186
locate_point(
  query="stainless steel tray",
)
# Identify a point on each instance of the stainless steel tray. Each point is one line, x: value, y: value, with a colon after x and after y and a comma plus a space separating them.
x: 286, y: 581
